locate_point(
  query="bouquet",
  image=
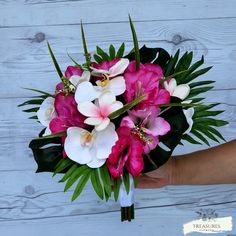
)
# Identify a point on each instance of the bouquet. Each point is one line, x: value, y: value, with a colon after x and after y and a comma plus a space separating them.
x: 115, y: 117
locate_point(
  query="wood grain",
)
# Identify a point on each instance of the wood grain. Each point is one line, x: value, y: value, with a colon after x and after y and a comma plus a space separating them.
x: 34, y: 204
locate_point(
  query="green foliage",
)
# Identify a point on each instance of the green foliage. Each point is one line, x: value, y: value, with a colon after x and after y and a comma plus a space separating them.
x: 101, y: 55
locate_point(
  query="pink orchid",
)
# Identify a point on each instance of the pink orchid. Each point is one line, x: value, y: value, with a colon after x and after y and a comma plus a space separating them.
x: 127, y: 152
x: 145, y: 81
x: 98, y: 114
x: 147, y: 124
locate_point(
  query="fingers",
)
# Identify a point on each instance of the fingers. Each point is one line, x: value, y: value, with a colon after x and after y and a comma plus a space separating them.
x: 147, y: 182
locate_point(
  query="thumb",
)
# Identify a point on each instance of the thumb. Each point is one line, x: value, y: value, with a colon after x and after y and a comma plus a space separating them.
x: 148, y: 182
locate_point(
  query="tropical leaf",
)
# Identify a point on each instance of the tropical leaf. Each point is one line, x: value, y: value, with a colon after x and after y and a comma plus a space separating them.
x: 121, y: 50
x: 97, y: 58
x: 69, y: 173
x: 117, y: 184
x: 106, y: 179
x: 126, y: 181
x: 102, y: 54
x: 112, y: 52
x: 62, y: 165
x: 96, y: 183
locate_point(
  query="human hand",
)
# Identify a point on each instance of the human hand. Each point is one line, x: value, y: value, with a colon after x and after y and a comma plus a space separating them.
x: 158, y: 178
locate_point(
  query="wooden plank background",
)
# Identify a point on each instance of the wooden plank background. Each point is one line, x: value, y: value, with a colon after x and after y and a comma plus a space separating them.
x: 33, y: 204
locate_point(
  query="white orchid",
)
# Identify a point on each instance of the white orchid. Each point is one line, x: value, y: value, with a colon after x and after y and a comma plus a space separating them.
x: 46, y: 111
x: 181, y: 91
x: 88, y: 148
x: 98, y: 113
x: 76, y: 79
x: 86, y: 91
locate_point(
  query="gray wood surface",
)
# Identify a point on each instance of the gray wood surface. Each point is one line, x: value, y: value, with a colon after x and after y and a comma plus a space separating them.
x: 34, y: 204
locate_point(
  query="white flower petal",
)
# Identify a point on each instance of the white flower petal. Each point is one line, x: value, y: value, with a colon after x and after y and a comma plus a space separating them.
x: 86, y: 92
x: 75, y: 79
x: 115, y: 106
x: 73, y: 148
x: 117, y: 85
x: 170, y: 86
x: 97, y: 72
x: 119, y: 67
x: 181, y: 91
x: 188, y: 115
x: 85, y: 76
x: 96, y: 163
x: 46, y: 111
x: 88, y: 109
x: 106, y: 98
x: 104, y: 141
x: 103, y: 125
x: 93, y: 121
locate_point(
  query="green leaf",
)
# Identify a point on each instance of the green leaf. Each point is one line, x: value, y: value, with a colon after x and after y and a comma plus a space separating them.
x: 196, y: 65
x: 55, y: 61
x: 39, y: 91
x: 200, y: 83
x: 73, y: 60
x: 126, y: 182
x: 81, y: 184
x: 75, y: 175
x: 97, y: 58
x: 33, y: 118
x: 69, y: 173
x: 181, y: 105
x: 62, y: 165
x: 200, y: 136
x: 190, y: 139
x: 34, y: 109
x: 106, y: 179
x: 206, y: 107
x: 97, y: 186
x: 103, y: 54
x: 136, y: 47
x: 215, y: 132
x: 31, y: 102
x: 121, y: 51
x: 112, y: 52
x: 117, y: 184
x: 207, y: 113
x: 86, y: 54
x: 197, y: 91
x: 60, y: 134
x: 210, y: 121
x: 204, y: 131
x: 196, y: 100
x: 126, y: 107
x: 172, y: 63
x: 196, y: 74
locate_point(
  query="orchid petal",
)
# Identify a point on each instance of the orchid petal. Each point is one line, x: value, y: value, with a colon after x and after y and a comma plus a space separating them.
x: 93, y: 121
x: 106, y: 98
x: 181, y: 91
x: 96, y: 163
x: 75, y: 79
x: 104, y: 141
x: 128, y: 122
x: 170, y: 86
x: 97, y: 72
x: 46, y: 111
x: 88, y: 109
x: 116, y: 106
x: 86, y: 92
x: 188, y: 115
x: 119, y: 67
x: 86, y: 75
x: 74, y: 150
x: 117, y: 85
x: 105, y: 122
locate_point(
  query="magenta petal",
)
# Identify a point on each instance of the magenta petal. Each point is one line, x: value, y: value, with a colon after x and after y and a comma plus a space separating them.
x: 56, y: 125
x: 155, y: 68
x: 163, y: 97
x: 126, y: 121
x: 105, y: 65
x: 159, y: 127
x: 135, y: 162
x: 73, y: 70
x: 152, y: 145
x: 60, y: 86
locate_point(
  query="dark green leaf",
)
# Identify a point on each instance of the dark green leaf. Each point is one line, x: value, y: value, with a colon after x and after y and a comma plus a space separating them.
x: 86, y: 54
x: 112, y: 52
x: 97, y: 59
x: 135, y: 41
x: 200, y: 136
x: 215, y: 132
x: 210, y: 121
x: 33, y: 118
x: 117, y: 184
x: 95, y: 180
x: 207, y: 113
x: 126, y: 181
x: 34, y: 109
x: 200, y: 83
x: 103, y: 54
x: 69, y: 173
x: 106, y: 179
x: 55, y: 61
x: 31, y: 102
x: 190, y: 139
x: 171, y: 64
x: 81, y: 184
x: 203, y: 130
x: 196, y: 74
x: 75, y: 175
x: 120, y: 51
x: 197, y: 91
x: 39, y: 91
x: 72, y: 59
x: 55, y: 135
x: 62, y: 165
